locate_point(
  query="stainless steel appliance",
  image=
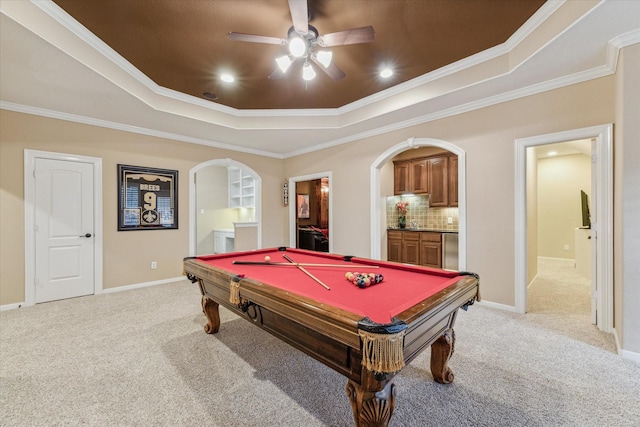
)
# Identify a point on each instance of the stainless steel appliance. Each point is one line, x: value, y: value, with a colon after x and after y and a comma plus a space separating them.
x: 450, y: 251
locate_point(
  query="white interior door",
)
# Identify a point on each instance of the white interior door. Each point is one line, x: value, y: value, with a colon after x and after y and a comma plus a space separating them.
x: 64, y: 229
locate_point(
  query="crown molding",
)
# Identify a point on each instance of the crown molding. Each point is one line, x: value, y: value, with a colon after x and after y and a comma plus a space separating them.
x: 42, y: 112
x: 80, y: 31
x: 602, y: 71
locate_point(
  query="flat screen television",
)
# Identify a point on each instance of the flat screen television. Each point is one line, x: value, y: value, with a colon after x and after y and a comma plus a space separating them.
x: 586, y: 216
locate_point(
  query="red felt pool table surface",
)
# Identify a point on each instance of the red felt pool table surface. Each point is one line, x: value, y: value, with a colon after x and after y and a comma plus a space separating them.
x: 403, y: 286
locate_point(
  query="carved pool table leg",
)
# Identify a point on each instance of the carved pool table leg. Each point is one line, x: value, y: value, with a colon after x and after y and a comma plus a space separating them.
x: 441, y: 351
x: 371, y: 408
x: 210, y: 309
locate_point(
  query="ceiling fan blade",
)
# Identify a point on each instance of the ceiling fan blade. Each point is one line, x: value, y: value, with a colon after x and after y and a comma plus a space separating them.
x: 352, y: 36
x: 299, y: 15
x: 332, y: 70
x: 241, y: 37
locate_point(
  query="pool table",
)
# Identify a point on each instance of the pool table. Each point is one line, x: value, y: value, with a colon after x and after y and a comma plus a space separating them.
x: 368, y: 333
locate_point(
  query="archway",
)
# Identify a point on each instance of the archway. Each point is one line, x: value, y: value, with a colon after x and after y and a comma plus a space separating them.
x: 378, y: 227
x: 192, y: 198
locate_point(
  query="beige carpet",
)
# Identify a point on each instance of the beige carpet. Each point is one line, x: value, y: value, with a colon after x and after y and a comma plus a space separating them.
x: 141, y: 358
x: 559, y: 299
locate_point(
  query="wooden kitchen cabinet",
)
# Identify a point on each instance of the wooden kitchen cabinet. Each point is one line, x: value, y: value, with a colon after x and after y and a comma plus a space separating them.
x: 394, y: 246
x: 453, y: 181
x: 410, y: 176
x: 419, y: 176
x: 401, y: 179
x: 411, y: 247
x: 415, y: 247
x: 438, y: 170
x: 435, y: 175
x: 431, y: 249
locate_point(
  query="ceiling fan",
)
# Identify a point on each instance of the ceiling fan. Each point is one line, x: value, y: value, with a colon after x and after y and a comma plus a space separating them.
x: 305, y: 44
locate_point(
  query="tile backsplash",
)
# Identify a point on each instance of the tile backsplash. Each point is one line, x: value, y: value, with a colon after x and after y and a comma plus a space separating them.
x: 418, y: 210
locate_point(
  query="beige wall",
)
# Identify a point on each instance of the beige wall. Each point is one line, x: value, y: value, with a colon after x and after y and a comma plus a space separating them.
x: 487, y: 136
x: 532, y: 214
x: 212, y: 211
x: 560, y: 180
x: 627, y: 201
x: 127, y: 255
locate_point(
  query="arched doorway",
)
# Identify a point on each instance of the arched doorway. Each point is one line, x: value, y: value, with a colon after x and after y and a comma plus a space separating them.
x: 378, y: 224
x: 193, y: 207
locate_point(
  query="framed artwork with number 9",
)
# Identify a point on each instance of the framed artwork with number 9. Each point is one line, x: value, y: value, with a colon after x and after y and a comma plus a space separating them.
x: 147, y: 198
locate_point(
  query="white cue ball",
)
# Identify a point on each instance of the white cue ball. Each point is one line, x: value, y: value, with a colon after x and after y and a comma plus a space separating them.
x: 267, y: 258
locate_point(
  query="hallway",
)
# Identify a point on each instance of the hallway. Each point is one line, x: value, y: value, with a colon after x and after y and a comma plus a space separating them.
x: 559, y: 299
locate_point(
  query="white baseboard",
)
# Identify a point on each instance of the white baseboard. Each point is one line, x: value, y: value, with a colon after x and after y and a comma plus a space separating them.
x: 625, y: 354
x: 11, y: 306
x: 497, y: 306
x: 142, y: 285
x: 108, y: 290
x: 550, y: 258
x: 630, y: 355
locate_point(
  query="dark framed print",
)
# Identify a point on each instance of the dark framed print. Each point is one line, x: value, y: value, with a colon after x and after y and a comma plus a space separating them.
x: 147, y: 198
x: 303, y: 206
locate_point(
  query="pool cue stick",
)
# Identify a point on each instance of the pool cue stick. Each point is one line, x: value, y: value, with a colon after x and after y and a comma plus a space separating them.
x: 304, y: 270
x: 295, y: 264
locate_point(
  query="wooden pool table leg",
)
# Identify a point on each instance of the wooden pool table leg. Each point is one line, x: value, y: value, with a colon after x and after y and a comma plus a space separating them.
x: 371, y: 408
x: 441, y: 351
x: 210, y: 309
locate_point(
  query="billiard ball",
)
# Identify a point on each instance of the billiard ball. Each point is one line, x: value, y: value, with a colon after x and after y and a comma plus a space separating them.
x: 267, y: 258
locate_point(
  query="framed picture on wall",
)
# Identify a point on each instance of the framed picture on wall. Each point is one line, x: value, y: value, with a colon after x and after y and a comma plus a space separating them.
x: 303, y: 206
x: 147, y: 198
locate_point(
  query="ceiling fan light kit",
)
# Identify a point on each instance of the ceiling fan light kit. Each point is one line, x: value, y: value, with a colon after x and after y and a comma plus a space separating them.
x: 284, y: 62
x: 302, y: 40
x: 324, y: 57
x: 307, y: 72
x: 297, y: 47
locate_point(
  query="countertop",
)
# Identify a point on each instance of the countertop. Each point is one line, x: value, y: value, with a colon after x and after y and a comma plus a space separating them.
x: 436, y: 230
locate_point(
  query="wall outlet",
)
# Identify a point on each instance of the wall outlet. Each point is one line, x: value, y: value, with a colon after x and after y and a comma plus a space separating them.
x: 449, y: 220
x: 566, y: 247
x: 154, y: 265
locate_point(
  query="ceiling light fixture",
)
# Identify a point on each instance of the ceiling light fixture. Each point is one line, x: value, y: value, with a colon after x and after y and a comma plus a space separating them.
x: 307, y: 72
x: 284, y: 62
x: 227, y: 78
x: 552, y: 153
x: 297, y: 46
x: 303, y: 40
x: 324, y: 57
x: 386, y: 73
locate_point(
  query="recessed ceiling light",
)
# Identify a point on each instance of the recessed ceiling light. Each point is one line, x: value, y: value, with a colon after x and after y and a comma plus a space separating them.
x: 385, y: 73
x: 210, y: 96
x: 228, y: 78
x: 552, y: 153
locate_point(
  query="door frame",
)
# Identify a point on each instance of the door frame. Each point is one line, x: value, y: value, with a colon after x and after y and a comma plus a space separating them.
x: 30, y: 157
x: 293, y: 232
x: 193, y: 219
x: 603, y: 135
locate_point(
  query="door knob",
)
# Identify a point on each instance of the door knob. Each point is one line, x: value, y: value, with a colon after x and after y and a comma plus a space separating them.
x: 86, y: 235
